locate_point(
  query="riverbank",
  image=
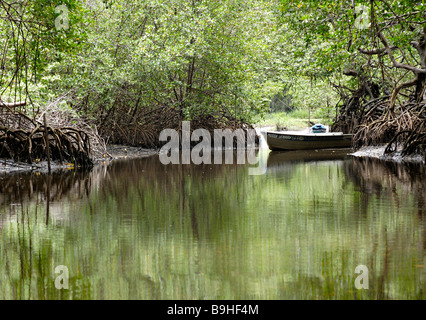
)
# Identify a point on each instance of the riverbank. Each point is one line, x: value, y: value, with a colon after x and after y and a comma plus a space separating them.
x: 114, y: 152
x: 378, y: 152
x: 127, y: 152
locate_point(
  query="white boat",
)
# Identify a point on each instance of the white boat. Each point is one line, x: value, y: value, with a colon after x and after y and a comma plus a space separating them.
x: 296, y: 140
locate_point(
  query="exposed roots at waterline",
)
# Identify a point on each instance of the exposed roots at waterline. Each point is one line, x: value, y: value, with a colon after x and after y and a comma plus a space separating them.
x: 143, y: 129
x: 26, y: 140
x: 380, y: 121
x: 404, y: 130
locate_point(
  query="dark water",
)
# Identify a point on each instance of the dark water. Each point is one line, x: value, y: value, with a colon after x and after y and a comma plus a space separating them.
x: 136, y: 229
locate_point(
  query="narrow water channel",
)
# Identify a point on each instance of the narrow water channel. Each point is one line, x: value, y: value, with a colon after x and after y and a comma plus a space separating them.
x: 137, y: 229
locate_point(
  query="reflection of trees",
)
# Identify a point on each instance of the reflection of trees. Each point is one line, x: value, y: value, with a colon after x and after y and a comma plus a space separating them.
x: 145, y: 188
x: 118, y: 176
x: 168, y: 202
x: 16, y: 188
x: 24, y: 189
x: 396, y: 181
x: 193, y: 230
x: 376, y: 177
x: 134, y: 185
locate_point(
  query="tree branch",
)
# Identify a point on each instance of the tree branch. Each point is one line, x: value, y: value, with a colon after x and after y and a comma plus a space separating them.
x: 375, y: 51
x: 13, y: 104
x: 395, y: 63
x: 405, y: 85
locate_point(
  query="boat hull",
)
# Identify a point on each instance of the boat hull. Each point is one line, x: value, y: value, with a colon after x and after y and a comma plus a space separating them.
x: 286, y: 141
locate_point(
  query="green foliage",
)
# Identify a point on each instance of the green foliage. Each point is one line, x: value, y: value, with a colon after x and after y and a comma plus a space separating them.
x: 201, y: 56
x: 198, y: 56
x: 329, y: 34
x: 31, y: 41
x: 282, y: 101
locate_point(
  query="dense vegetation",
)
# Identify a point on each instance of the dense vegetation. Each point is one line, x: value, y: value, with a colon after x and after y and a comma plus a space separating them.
x: 380, y: 48
x: 128, y: 69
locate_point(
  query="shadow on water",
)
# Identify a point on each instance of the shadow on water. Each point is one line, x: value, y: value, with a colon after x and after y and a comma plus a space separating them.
x: 375, y: 177
x: 28, y: 186
x: 398, y: 182
x: 138, y: 229
x: 276, y: 158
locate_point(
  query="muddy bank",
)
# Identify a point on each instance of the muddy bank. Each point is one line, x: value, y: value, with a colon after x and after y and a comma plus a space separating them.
x: 123, y: 152
x: 378, y: 152
x: 113, y: 152
x: 10, y: 166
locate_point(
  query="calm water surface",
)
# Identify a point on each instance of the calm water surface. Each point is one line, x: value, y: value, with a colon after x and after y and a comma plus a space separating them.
x: 136, y: 229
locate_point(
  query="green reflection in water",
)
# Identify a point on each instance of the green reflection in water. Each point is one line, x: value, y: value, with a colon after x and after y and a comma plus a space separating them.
x: 136, y: 229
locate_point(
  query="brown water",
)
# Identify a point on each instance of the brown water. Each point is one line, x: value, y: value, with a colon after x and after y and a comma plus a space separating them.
x: 136, y: 229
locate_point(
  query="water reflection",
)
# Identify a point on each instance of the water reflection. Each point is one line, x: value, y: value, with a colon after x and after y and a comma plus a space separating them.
x: 276, y: 158
x: 136, y: 229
